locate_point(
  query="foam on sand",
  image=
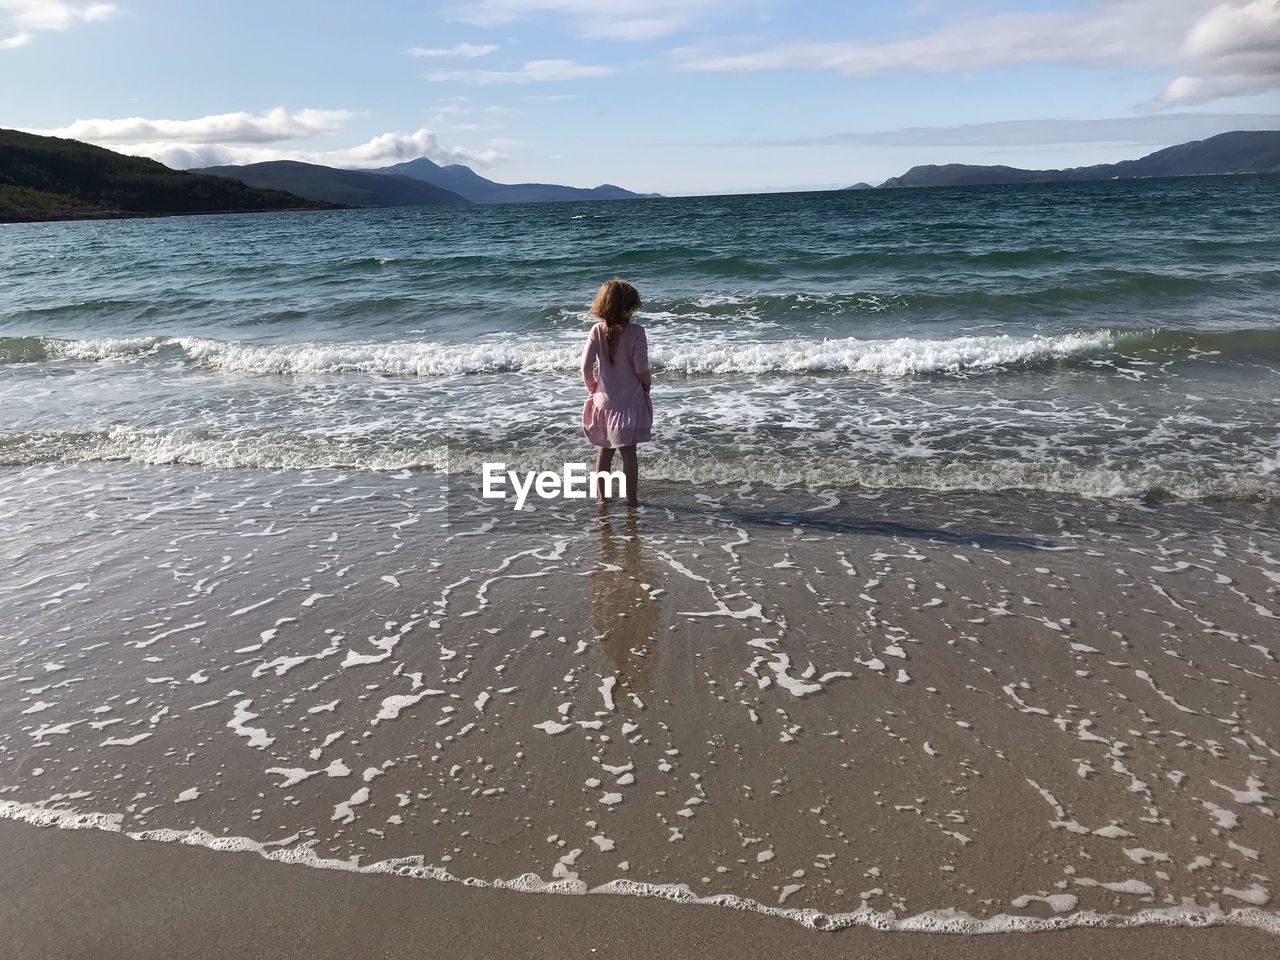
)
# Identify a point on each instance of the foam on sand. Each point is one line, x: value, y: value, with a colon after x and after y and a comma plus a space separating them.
x: 290, y: 851
x: 560, y: 672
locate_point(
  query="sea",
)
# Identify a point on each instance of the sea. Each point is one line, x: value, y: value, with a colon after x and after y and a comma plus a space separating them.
x: 1112, y: 339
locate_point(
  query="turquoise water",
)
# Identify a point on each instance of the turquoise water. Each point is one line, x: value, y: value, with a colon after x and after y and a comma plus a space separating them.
x: 1111, y: 339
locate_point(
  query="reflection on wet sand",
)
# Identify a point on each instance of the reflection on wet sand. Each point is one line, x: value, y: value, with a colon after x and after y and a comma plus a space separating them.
x: 970, y: 713
x: 624, y: 613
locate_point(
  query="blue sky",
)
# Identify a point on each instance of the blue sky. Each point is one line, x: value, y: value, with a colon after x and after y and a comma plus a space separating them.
x: 677, y: 96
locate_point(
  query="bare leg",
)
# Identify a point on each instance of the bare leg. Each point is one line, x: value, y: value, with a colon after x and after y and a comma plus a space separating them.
x: 631, y: 470
x: 604, y: 462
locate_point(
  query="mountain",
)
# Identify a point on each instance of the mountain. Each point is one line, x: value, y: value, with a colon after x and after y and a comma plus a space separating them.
x: 1243, y: 151
x: 352, y: 188
x: 860, y: 185
x: 49, y: 178
x: 467, y: 183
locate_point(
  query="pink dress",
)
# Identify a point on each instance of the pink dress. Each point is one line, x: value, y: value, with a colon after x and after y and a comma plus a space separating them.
x: 618, y: 412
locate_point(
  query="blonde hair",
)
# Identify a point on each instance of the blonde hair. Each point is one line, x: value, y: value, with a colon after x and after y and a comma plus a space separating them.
x: 615, y: 302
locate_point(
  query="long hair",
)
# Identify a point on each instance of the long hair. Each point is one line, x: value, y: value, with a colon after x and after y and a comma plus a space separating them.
x: 616, y: 301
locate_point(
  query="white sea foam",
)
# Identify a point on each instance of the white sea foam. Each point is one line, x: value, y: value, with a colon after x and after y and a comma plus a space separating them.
x: 905, y: 356
x: 289, y: 850
x: 41, y: 815
x: 102, y: 348
x: 787, y: 469
x: 900, y: 357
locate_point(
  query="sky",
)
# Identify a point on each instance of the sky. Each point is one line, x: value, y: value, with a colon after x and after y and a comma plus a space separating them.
x: 672, y: 96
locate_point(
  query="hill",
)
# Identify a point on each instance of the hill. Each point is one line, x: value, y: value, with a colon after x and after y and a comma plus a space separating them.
x: 467, y: 183
x: 1242, y: 151
x: 353, y: 188
x: 49, y: 178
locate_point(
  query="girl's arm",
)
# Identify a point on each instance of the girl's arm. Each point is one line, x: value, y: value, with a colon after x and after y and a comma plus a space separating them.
x: 640, y: 359
x: 590, y: 353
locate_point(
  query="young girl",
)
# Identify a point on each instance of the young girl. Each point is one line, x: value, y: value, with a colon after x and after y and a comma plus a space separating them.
x: 615, y: 368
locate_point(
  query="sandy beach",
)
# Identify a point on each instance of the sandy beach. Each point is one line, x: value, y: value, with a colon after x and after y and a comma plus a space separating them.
x: 903, y: 711
x: 146, y: 901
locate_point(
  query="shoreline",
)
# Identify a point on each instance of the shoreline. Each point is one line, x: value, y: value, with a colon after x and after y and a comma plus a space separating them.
x: 942, y: 923
x: 138, y: 900
x: 1031, y: 710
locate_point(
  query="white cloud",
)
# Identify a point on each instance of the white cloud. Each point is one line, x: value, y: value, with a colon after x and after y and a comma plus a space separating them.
x: 466, y: 51
x: 535, y: 71
x: 389, y: 148
x: 1224, y: 49
x: 25, y: 18
x: 1126, y: 32
x: 1152, y: 129
x: 221, y: 128
x: 601, y: 19
x: 227, y: 138
x: 1232, y: 50
x: 381, y: 151
x: 1229, y: 30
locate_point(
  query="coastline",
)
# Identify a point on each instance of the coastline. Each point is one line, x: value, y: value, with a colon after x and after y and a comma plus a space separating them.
x: 151, y: 901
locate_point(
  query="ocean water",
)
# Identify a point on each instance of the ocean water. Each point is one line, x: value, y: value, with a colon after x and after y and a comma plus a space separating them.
x: 1111, y: 339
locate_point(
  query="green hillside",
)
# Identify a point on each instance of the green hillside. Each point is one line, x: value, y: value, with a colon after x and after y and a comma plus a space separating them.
x: 354, y: 188
x: 467, y: 183
x: 48, y: 178
x: 1238, y: 152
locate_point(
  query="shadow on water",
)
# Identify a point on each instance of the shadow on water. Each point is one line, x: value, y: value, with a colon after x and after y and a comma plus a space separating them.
x: 868, y: 527
x: 625, y: 618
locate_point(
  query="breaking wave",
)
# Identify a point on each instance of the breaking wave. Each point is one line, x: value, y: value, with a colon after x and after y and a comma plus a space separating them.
x: 905, y: 356
x: 900, y: 357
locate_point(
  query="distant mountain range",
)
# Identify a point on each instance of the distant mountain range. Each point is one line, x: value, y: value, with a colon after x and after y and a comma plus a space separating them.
x: 467, y: 183
x: 1243, y: 151
x: 49, y: 178
x: 416, y: 183
x: 350, y: 188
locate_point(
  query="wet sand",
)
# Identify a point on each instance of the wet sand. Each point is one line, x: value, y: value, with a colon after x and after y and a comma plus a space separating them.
x: 904, y: 710
x: 88, y: 896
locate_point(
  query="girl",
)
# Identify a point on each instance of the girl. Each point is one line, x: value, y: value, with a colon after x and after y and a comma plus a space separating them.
x: 615, y: 369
